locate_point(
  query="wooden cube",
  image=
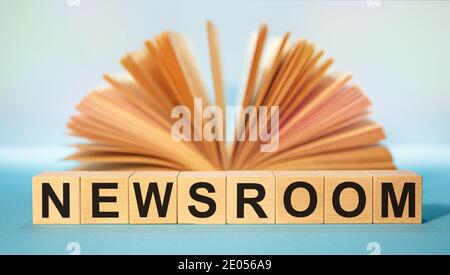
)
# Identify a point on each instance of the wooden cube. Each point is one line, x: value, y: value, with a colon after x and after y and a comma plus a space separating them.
x: 153, y: 197
x: 299, y: 197
x: 56, y: 198
x: 397, y: 197
x: 201, y: 197
x: 250, y: 197
x: 104, y: 197
x: 348, y: 197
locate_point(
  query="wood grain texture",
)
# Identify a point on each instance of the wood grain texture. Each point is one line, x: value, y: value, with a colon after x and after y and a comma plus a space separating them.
x: 256, y: 179
x: 56, y: 181
x: 209, y: 185
x: 138, y: 190
x: 234, y: 197
x: 307, y: 197
x: 113, y: 193
x: 400, y: 189
x: 354, y: 197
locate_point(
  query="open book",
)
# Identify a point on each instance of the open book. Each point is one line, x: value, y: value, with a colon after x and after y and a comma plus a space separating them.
x: 322, y: 118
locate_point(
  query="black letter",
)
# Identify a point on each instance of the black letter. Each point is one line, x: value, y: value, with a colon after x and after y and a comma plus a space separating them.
x: 96, y: 200
x: 63, y: 208
x: 387, y: 190
x: 210, y: 202
x: 337, y: 202
x: 152, y: 188
x: 252, y: 201
x: 312, y: 199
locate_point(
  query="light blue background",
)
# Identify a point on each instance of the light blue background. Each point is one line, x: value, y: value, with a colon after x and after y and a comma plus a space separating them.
x: 52, y: 54
x: 19, y: 235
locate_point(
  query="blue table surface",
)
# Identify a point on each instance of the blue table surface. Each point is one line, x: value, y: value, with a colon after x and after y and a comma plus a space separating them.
x: 19, y: 236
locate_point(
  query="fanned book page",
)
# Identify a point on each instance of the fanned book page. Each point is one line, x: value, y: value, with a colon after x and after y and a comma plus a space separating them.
x: 320, y: 120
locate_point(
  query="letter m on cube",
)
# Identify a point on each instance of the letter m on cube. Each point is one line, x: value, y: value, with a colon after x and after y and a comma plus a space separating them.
x: 397, y: 197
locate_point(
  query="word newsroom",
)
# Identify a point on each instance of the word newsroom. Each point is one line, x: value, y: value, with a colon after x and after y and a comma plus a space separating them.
x: 233, y: 197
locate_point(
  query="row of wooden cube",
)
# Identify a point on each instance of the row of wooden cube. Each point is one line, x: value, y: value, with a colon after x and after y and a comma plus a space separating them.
x: 234, y: 197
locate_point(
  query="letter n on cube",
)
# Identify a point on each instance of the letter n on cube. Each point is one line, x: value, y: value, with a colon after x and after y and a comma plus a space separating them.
x: 56, y: 198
